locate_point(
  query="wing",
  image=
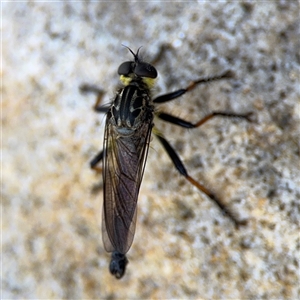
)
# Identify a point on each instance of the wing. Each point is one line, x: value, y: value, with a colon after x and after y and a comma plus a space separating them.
x: 124, y: 161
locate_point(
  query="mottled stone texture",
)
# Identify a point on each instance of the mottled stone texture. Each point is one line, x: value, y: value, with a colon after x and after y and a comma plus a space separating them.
x: 183, y: 247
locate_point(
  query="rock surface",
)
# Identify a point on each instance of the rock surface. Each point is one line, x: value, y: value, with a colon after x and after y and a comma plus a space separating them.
x: 183, y: 247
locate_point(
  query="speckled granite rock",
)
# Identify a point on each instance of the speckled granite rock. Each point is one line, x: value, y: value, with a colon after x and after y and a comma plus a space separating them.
x: 184, y: 247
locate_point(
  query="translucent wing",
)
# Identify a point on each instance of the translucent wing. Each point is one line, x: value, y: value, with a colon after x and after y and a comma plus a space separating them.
x: 124, y: 161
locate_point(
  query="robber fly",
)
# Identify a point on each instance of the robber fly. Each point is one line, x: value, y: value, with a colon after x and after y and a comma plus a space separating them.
x: 128, y: 128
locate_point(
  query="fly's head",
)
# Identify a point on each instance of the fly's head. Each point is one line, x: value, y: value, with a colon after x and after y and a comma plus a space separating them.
x: 137, y: 70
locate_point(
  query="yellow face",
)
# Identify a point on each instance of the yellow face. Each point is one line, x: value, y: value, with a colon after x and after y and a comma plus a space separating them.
x: 148, y: 81
x: 125, y: 79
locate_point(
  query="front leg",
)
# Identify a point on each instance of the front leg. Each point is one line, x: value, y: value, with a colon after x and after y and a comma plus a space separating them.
x: 191, y: 86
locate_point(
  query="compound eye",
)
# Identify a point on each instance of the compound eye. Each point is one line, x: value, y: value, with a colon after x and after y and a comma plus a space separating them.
x: 125, y: 68
x: 145, y: 70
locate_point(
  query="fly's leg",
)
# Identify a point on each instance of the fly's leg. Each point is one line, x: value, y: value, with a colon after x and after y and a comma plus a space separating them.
x: 186, y: 124
x: 182, y: 170
x: 86, y: 88
x: 94, y: 162
x: 191, y: 86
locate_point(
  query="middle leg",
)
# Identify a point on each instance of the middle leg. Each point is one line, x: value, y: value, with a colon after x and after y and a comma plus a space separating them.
x: 186, y: 124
